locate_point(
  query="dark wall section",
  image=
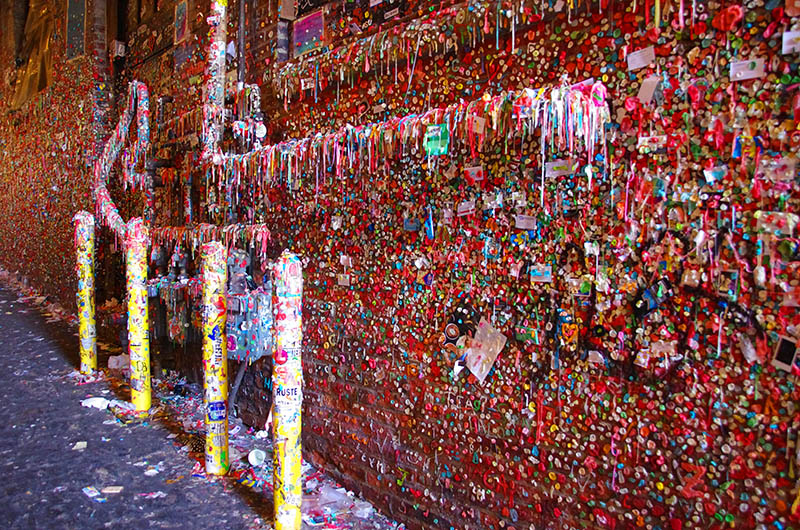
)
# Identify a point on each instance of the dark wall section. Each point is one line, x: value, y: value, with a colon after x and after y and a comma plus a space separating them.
x: 44, y: 160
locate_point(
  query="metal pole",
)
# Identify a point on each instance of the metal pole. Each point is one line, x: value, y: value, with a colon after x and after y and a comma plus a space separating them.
x: 287, y: 392
x: 215, y: 359
x: 187, y: 197
x: 237, y: 382
x: 214, y: 108
x: 138, y: 337
x: 84, y: 247
x: 149, y: 198
x: 241, y: 66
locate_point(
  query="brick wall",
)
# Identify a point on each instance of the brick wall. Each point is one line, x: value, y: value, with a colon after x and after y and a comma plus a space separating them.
x: 46, y: 152
x: 607, y: 440
x: 596, y: 414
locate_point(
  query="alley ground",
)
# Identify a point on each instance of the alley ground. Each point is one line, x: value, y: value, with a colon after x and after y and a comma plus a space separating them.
x: 43, y: 477
x: 66, y: 465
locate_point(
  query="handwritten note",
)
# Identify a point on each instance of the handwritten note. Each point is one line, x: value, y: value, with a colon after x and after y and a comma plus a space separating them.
x: 466, y: 208
x: 641, y: 58
x: 556, y: 168
x: 791, y: 42
x: 526, y: 222
x: 647, y: 89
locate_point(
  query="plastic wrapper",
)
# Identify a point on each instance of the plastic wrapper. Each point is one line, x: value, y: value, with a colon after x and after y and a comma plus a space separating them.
x: 486, y: 345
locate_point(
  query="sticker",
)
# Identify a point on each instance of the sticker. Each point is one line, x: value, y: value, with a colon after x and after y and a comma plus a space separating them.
x: 792, y: 298
x: 474, y: 174
x: 282, y: 48
x: 782, y: 223
x: 281, y: 356
x: 411, y: 224
x: 437, y: 139
x: 641, y: 58
x: 493, y: 201
x: 778, y: 168
x: 790, y: 42
x: 647, y: 89
x: 642, y: 358
x: 663, y: 348
x: 556, y: 168
x: 648, y: 144
x: 478, y: 124
x: 492, y: 249
x: 728, y: 284
x: 541, y: 273
x: 586, y: 83
x: 288, y: 395
x: 466, y: 208
x: 447, y: 216
x: 715, y: 174
x: 486, y: 345
x: 460, y: 324
x: 525, y: 222
x: 595, y: 357
x: 217, y: 411
x: 744, y: 70
x: 785, y: 353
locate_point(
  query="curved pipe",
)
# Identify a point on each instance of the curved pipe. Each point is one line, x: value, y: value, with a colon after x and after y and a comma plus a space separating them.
x: 139, y: 102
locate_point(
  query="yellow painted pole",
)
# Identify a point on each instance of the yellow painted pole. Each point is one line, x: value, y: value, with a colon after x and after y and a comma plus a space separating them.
x: 84, y: 247
x: 215, y: 358
x: 138, y: 339
x: 287, y: 392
